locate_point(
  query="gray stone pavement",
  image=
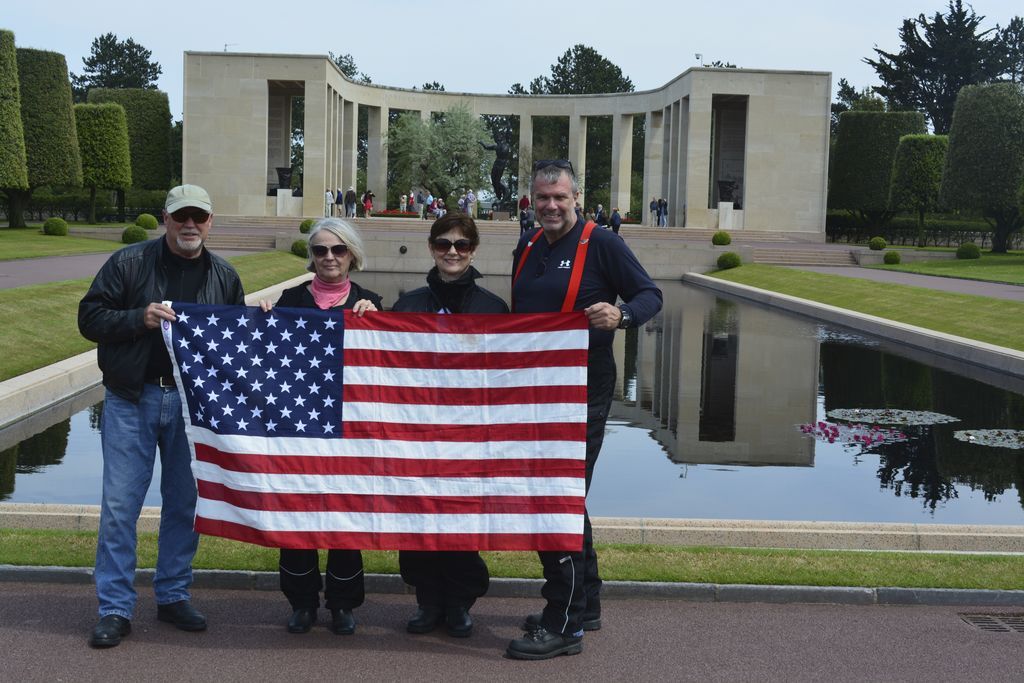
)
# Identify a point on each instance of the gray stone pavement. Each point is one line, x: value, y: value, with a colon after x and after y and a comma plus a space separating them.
x: 36, y: 271
x: 44, y: 629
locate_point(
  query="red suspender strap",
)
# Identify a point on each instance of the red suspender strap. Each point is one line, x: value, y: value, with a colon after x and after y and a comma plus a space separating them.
x: 577, y: 265
x: 577, y: 268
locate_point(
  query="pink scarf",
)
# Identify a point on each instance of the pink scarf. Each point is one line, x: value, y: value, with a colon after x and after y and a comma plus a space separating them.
x: 329, y: 294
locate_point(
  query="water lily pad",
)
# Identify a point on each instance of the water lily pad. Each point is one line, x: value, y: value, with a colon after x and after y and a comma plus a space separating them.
x: 891, y: 416
x: 852, y: 435
x: 1000, y: 438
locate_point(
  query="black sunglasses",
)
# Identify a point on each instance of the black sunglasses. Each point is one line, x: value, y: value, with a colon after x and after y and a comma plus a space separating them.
x: 442, y: 246
x: 320, y: 250
x: 563, y: 164
x: 198, y: 216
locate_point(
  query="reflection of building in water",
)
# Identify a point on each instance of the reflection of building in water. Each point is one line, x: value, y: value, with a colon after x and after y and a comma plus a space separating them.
x: 722, y: 384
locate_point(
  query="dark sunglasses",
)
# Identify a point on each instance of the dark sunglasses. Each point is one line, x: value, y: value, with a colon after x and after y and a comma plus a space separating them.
x: 563, y: 164
x: 197, y: 216
x: 442, y: 246
x: 320, y: 250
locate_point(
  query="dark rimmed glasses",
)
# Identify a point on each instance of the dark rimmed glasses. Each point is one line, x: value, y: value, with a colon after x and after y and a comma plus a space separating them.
x: 443, y: 246
x: 198, y: 216
x: 563, y: 164
x: 320, y: 250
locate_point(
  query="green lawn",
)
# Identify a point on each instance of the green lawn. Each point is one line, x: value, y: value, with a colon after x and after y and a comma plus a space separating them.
x: 994, y: 321
x: 1007, y: 268
x: 618, y: 562
x: 41, y: 321
x: 18, y: 243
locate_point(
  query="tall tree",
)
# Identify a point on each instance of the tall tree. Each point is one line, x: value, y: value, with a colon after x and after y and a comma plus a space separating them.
x: 985, y: 161
x: 13, y: 166
x: 849, y: 98
x: 347, y: 64
x: 51, y: 145
x: 114, y: 63
x: 1011, y: 39
x: 149, y: 130
x: 917, y: 176
x: 937, y: 58
x: 103, y: 142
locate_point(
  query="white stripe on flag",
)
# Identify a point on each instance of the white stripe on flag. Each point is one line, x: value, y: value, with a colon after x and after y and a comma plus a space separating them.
x: 528, y: 342
x: 460, y: 379
x: 357, y: 411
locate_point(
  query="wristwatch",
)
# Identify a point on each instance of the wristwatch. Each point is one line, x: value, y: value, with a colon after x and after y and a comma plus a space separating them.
x: 627, y: 317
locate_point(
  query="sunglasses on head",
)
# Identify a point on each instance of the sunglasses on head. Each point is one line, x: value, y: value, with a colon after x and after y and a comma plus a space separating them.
x: 442, y: 246
x: 197, y: 215
x: 563, y: 164
x: 320, y: 250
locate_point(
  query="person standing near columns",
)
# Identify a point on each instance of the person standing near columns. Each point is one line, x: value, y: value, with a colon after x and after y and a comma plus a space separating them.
x: 654, y: 211
x: 662, y: 212
x: 568, y: 265
x: 350, y: 202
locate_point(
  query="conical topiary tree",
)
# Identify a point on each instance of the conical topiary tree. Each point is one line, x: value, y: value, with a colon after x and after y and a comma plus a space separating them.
x: 51, y: 144
x: 13, y: 167
x: 917, y: 176
x: 149, y: 132
x: 103, y: 142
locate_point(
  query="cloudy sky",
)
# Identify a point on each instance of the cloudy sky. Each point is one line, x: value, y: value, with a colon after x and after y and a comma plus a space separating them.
x: 485, y: 47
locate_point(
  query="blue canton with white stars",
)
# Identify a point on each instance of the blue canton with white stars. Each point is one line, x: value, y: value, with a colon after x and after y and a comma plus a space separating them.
x: 252, y: 373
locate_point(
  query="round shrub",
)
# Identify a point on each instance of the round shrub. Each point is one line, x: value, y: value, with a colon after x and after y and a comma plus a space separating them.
x: 729, y: 259
x: 147, y: 221
x: 132, y: 234
x: 300, y: 248
x: 306, y: 225
x: 55, y: 226
x: 891, y: 258
x: 721, y: 238
x: 876, y: 244
x: 968, y: 250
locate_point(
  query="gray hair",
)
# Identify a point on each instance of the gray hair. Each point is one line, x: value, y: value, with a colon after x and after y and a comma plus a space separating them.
x: 551, y: 174
x: 345, y: 232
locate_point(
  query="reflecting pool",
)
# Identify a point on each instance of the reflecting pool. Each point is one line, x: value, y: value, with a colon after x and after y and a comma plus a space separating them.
x: 724, y: 409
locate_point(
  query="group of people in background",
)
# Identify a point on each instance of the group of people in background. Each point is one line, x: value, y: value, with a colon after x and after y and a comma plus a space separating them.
x: 659, y: 212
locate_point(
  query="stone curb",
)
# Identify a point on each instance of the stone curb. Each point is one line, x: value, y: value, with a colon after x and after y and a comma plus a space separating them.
x: 530, y: 588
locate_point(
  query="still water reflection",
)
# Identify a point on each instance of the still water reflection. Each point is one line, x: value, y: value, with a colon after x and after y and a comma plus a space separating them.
x: 706, y: 423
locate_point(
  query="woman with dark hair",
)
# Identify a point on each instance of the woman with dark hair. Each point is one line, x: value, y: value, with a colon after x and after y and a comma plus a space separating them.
x: 448, y: 582
x: 335, y: 249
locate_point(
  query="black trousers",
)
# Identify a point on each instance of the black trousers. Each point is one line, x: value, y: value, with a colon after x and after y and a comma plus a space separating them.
x: 301, y: 581
x: 444, y: 578
x: 572, y: 585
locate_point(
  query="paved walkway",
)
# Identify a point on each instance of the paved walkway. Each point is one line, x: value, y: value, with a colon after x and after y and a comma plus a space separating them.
x: 45, y: 626
x: 943, y: 284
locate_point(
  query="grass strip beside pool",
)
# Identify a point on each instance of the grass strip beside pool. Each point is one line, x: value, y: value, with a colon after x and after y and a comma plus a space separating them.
x: 1003, y: 268
x: 994, y: 321
x: 619, y: 562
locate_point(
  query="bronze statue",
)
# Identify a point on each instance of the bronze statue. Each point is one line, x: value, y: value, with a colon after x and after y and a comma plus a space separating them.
x: 502, y: 155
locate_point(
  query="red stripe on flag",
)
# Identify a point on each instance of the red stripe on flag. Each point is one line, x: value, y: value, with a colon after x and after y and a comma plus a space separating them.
x: 467, y: 323
x: 528, y: 431
x: 468, y: 396
x: 441, y: 505
x: 388, y: 467
x: 500, y: 360
x: 382, y: 541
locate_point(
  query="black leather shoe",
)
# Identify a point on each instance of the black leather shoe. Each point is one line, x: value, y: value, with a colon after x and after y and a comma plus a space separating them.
x: 182, y: 614
x: 543, y: 644
x: 343, y: 623
x: 591, y: 622
x: 425, y: 620
x: 302, y: 620
x: 109, y: 631
x: 460, y: 624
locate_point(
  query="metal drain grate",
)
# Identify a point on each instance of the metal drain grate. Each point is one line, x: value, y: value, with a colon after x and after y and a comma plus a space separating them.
x: 996, y: 622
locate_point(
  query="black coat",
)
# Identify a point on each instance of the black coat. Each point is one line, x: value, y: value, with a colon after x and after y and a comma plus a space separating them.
x: 460, y: 296
x: 299, y: 296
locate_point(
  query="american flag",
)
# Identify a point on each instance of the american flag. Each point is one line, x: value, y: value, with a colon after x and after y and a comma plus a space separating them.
x: 320, y: 429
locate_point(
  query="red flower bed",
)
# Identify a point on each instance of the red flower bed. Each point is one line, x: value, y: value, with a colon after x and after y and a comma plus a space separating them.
x: 396, y: 213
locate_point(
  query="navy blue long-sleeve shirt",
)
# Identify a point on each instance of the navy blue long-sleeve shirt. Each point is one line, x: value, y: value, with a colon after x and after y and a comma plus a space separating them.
x: 611, y: 271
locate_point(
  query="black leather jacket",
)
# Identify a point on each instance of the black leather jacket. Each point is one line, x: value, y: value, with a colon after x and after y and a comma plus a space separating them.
x: 111, y: 313
x: 472, y: 298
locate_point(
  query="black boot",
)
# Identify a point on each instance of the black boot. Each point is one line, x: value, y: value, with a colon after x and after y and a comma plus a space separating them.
x: 425, y: 620
x: 109, y: 630
x: 460, y: 624
x: 343, y: 623
x: 302, y: 620
x: 543, y: 644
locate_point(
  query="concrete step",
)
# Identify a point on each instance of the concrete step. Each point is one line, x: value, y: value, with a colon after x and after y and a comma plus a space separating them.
x: 806, y: 257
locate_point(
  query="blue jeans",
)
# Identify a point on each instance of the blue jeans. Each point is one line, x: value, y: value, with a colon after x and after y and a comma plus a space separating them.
x: 131, y: 434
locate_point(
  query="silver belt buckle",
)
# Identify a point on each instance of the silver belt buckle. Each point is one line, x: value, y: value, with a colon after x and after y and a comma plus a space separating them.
x: 166, y: 382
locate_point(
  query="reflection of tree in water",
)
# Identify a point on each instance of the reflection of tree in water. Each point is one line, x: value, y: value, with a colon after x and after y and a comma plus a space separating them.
x: 8, y: 463
x: 910, y: 468
x: 95, y: 416
x: 43, y: 449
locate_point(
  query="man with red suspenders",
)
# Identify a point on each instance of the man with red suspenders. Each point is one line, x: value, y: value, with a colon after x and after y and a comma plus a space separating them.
x: 567, y: 265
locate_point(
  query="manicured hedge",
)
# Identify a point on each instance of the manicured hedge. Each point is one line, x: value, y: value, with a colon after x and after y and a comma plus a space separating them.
x: 55, y: 226
x: 149, y: 132
x: 132, y: 234
x: 51, y: 142
x: 103, y: 142
x: 917, y: 173
x: 13, y: 166
x: 721, y: 238
x: 147, y: 221
x: 866, y: 143
x: 729, y: 259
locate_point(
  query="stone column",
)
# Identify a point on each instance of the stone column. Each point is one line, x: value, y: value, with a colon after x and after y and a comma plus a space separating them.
x: 525, y: 153
x: 674, y: 162
x: 377, y: 156
x: 332, y: 139
x: 578, y: 151
x: 698, y: 168
x: 349, y: 143
x: 314, y: 164
x: 622, y: 162
x: 654, y: 142
x: 678, y: 212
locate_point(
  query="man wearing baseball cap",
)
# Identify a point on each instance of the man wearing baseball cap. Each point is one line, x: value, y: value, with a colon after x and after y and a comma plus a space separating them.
x: 122, y: 312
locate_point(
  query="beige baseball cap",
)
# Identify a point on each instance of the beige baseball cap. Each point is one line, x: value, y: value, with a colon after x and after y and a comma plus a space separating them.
x: 188, y: 195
